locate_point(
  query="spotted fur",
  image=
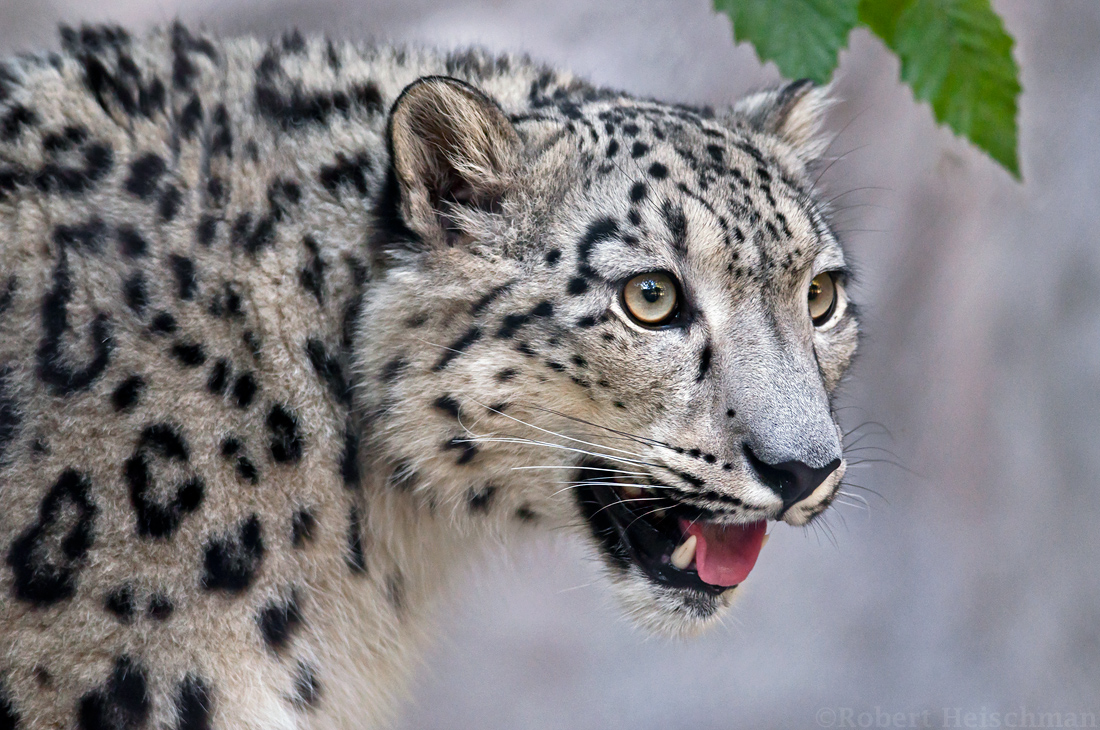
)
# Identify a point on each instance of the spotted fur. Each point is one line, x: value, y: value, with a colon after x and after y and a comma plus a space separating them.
x: 279, y: 320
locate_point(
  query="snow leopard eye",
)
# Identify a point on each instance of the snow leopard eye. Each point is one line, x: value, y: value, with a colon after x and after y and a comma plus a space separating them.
x: 822, y: 298
x: 651, y: 298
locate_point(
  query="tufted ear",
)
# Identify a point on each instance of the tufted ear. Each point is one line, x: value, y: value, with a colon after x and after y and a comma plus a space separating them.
x: 451, y: 148
x: 795, y: 113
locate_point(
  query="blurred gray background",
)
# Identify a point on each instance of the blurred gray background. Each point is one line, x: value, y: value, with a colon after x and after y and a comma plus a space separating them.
x: 972, y: 583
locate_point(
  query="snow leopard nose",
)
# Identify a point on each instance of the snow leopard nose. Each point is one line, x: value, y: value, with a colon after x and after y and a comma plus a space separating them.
x: 793, y: 481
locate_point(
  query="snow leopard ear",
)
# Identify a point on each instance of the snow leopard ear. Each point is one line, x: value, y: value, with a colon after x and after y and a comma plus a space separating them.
x: 452, y: 150
x: 795, y: 113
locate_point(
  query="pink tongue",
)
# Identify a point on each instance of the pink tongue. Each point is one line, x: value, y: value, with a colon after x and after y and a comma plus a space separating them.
x: 725, y: 554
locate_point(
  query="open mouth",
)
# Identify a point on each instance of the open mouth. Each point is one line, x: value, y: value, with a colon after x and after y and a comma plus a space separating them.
x: 675, y: 544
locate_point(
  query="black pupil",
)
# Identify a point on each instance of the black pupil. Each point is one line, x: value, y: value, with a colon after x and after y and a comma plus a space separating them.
x: 651, y: 290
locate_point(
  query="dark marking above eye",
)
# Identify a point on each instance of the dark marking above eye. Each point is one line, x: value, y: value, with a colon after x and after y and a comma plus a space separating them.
x: 601, y: 229
x: 677, y: 224
x: 658, y: 171
x: 638, y: 149
x: 577, y: 285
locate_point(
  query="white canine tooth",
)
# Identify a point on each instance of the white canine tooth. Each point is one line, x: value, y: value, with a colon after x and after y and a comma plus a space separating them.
x: 631, y: 491
x: 684, y: 553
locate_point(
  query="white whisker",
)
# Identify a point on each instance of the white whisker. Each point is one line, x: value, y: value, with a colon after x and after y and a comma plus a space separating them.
x: 559, y: 435
x: 587, y: 468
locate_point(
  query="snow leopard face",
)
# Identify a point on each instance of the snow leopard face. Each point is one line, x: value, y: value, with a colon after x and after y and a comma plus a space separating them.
x: 619, y: 316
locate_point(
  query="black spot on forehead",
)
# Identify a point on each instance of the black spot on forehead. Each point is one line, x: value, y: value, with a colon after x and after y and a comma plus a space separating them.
x: 658, y: 171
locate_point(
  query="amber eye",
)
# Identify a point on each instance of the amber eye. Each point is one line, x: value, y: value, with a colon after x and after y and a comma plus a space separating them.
x: 822, y: 298
x: 651, y: 298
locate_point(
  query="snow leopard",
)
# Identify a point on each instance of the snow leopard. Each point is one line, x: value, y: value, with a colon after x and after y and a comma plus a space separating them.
x: 293, y: 329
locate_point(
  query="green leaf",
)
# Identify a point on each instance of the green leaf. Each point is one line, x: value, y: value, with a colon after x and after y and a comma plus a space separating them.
x: 803, y: 37
x: 957, y: 56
